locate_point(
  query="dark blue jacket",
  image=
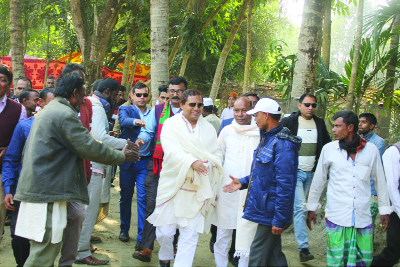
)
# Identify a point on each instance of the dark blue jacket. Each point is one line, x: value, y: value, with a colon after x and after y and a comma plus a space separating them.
x: 225, y: 123
x: 273, y: 178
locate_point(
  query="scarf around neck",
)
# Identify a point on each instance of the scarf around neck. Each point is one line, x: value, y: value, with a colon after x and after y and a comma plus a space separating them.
x: 356, y: 145
x: 250, y: 130
x: 103, y: 100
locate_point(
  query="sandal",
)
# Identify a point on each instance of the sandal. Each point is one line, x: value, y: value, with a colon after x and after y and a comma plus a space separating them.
x: 95, y: 239
x: 92, y: 249
x: 90, y: 260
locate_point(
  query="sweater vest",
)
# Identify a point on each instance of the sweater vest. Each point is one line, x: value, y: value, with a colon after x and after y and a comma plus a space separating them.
x: 9, y: 118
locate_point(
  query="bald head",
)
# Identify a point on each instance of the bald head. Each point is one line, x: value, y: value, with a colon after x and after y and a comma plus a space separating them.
x: 240, y: 108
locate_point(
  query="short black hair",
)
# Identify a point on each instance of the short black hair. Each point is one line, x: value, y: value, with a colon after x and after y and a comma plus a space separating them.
x: 370, y: 117
x: 96, y: 83
x: 25, y: 94
x: 304, y: 96
x: 67, y: 84
x: 139, y: 86
x: 190, y: 92
x: 177, y: 81
x: 208, y: 109
x: 349, y: 117
x: 276, y: 117
x: 45, y: 91
x: 51, y: 77
x: 108, y: 83
x: 25, y: 79
x: 70, y: 67
x: 122, y: 88
x: 162, y: 88
x: 4, y: 69
x: 251, y: 94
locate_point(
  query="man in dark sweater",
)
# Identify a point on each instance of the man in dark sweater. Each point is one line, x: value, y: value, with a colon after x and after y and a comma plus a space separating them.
x: 314, y: 136
x: 11, y: 113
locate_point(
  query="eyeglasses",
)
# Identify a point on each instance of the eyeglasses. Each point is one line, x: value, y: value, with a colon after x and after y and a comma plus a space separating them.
x: 199, y: 105
x: 142, y: 94
x: 314, y: 105
x: 164, y: 97
x: 20, y: 88
x: 172, y: 91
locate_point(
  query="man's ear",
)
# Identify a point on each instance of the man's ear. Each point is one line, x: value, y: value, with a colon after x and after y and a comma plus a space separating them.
x: 350, y: 128
x: 107, y: 92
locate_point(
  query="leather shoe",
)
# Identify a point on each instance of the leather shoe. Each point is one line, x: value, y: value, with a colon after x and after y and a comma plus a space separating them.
x: 124, y: 236
x: 138, y: 246
x: 143, y: 255
x: 305, y: 255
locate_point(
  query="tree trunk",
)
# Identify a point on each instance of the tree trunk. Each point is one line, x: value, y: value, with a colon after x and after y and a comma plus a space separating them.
x: 174, y: 51
x: 356, y: 56
x: 326, y: 34
x: 128, y: 59
x: 46, y: 72
x: 310, y: 39
x: 159, y: 11
x: 133, y: 70
x: 246, y: 77
x: 225, y: 51
x: 183, y: 65
x: 16, y: 40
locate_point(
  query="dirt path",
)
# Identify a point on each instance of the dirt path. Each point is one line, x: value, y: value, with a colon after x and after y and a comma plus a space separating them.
x: 120, y: 253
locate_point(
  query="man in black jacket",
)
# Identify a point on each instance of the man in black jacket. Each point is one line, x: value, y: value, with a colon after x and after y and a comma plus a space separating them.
x: 314, y: 134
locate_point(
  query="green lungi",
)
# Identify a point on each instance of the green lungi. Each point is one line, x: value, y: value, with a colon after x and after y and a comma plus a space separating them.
x: 348, y: 246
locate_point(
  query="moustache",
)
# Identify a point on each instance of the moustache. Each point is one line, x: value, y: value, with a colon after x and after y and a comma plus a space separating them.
x: 175, y: 97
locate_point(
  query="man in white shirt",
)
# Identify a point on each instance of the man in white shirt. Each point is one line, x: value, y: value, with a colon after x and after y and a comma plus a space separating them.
x: 349, y: 162
x: 391, y: 163
x: 227, y: 113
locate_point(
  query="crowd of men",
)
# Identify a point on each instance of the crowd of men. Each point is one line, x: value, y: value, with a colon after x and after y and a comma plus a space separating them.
x: 245, y: 176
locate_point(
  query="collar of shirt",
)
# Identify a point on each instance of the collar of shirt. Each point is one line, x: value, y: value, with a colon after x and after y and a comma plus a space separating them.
x: 368, y: 136
x: 175, y: 110
x: 3, y: 102
x: 140, y: 112
x: 188, y: 125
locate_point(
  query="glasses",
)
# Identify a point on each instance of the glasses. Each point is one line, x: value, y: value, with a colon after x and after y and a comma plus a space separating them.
x: 314, y: 105
x: 164, y: 97
x: 172, y: 91
x: 142, y: 94
x: 20, y: 88
x: 199, y: 105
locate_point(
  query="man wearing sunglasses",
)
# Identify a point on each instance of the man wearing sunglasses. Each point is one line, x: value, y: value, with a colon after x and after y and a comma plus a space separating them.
x: 314, y: 134
x: 132, y: 119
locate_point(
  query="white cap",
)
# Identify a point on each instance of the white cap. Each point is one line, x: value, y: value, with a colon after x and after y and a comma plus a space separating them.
x: 207, y: 101
x: 266, y: 105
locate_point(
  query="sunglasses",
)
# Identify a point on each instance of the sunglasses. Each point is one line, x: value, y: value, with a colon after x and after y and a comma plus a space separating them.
x: 314, y: 105
x: 142, y: 94
x: 199, y: 105
x: 164, y: 97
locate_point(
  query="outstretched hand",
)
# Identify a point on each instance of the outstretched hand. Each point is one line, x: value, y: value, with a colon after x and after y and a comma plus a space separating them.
x: 141, y: 123
x: 139, y: 142
x: 199, y: 167
x: 131, y: 151
x: 232, y: 186
x: 311, y: 216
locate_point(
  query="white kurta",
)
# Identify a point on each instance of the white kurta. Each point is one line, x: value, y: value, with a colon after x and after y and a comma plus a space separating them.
x: 184, y: 197
x: 237, y: 143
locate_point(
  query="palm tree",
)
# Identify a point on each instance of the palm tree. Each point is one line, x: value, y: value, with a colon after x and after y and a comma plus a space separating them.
x: 16, y: 39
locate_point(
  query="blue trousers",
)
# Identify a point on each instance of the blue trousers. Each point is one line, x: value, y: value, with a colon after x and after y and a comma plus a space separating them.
x: 135, y: 174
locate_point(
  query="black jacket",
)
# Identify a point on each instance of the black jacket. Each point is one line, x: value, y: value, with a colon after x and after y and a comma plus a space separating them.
x: 292, y: 122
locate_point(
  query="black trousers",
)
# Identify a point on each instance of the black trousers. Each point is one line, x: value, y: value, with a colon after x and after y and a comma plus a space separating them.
x: 20, y: 245
x: 390, y: 255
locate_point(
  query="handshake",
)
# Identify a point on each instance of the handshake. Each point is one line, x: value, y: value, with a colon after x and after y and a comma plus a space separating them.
x: 131, y: 151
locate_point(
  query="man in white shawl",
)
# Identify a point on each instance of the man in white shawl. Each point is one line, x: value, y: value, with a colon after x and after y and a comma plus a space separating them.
x: 189, y: 181
x: 237, y: 142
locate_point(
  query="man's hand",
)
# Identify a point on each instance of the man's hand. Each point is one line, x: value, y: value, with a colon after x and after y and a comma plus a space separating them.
x: 311, y: 216
x: 2, y: 153
x: 139, y: 142
x: 9, y: 202
x: 232, y: 186
x: 131, y: 151
x: 384, y: 222
x: 276, y: 230
x: 112, y: 133
x: 199, y: 167
x: 140, y: 123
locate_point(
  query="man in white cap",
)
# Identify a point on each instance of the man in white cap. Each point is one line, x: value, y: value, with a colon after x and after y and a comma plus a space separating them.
x: 209, y: 114
x: 271, y: 185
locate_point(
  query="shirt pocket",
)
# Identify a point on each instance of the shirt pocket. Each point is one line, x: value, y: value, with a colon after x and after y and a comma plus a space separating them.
x: 264, y: 156
x: 363, y: 172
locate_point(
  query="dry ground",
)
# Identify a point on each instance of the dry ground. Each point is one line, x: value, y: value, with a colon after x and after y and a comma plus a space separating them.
x: 120, y: 253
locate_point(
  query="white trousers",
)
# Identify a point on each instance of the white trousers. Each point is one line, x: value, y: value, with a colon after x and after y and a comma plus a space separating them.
x: 186, y: 245
x: 221, y: 247
x: 244, y: 261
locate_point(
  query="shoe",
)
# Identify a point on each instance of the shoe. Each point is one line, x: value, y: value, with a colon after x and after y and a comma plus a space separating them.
x: 175, y: 250
x: 143, y: 255
x: 305, y: 255
x: 212, y: 242
x: 124, y: 236
x: 234, y: 260
x: 138, y: 246
x: 90, y: 260
x: 163, y: 264
x: 95, y: 239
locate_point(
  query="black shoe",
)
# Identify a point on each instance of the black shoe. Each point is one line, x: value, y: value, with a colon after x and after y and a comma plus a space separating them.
x: 212, y: 242
x: 138, y: 246
x: 163, y: 264
x: 124, y: 236
x: 234, y: 260
x: 305, y: 255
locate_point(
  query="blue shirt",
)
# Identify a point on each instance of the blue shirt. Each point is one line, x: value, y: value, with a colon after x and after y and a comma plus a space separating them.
x: 145, y: 148
x: 13, y: 158
x: 225, y: 123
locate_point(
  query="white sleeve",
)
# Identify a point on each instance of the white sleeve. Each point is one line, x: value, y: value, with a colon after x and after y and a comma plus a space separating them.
x: 391, y: 164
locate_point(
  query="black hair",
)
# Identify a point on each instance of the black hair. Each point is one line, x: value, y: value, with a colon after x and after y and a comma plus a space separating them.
x: 370, y: 117
x: 349, y: 117
x: 187, y: 93
x: 25, y: 94
x: 4, y: 69
x: 304, y: 96
x: 51, y: 77
x: 70, y: 67
x: 139, y: 86
x: 276, y: 117
x: 67, y: 84
x: 162, y: 88
x: 107, y: 83
x: 208, y: 109
x: 251, y: 94
x: 25, y: 79
x: 95, y: 85
x: 122, y: 88
x: 177, y: 81
x: 45, y: 91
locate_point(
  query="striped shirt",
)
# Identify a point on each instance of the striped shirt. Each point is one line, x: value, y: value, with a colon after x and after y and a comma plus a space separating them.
x: 308, y: 133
